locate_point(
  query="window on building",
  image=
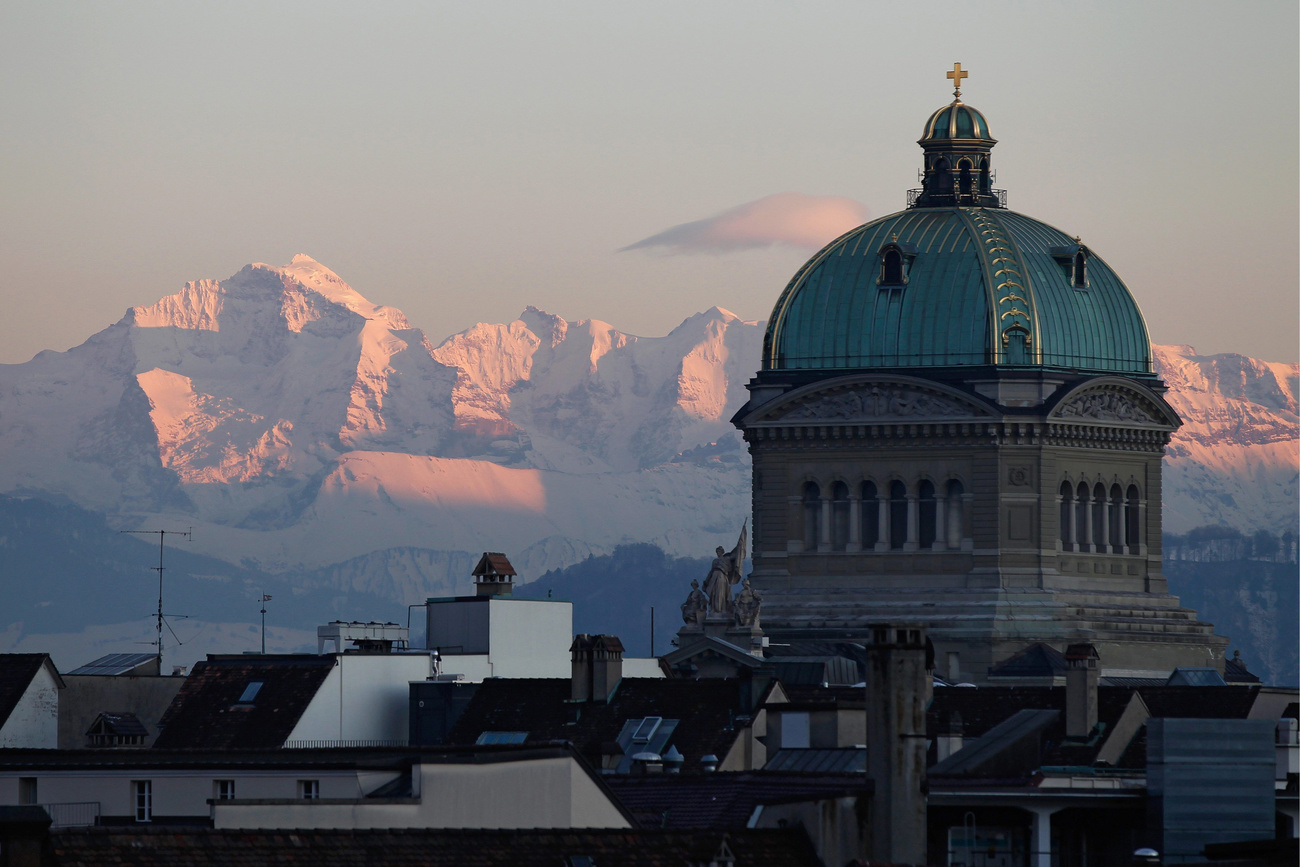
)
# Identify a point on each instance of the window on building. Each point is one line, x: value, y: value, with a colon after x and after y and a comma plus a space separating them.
x: 250, y: 692
x: 1081, y: 506
x: 501, y: 738
x: 1132, y: 524
x: 1079, y: 271
x: 891, y: 271
x: 839, y: 516
x: 224, y: 790
x: 897, y: 515
x: 1099, y: 517
x: 1116, y: 525
x: 1067, y: 515
x: 142, y: 794
x: 795, y: 734
x: 27, y: 791
x: 964, y: 180
x: 928, y: 514
x: 812, y: 516
x: 870, y: 516
x: 309, y: 790
x: 646, y: 729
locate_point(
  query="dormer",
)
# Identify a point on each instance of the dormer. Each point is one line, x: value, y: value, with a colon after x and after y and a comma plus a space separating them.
x: 1073, y: 259
x: 895, y: 263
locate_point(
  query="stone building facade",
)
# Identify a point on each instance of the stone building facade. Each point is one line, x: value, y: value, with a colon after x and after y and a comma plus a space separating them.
x: 957, y: 424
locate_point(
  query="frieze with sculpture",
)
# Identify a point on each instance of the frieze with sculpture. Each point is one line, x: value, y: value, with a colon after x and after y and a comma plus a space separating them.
x: 877, y: 402
x: 1107, y: 406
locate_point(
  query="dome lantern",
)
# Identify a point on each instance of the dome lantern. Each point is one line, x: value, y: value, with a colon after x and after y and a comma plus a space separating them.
x: 957, y: 144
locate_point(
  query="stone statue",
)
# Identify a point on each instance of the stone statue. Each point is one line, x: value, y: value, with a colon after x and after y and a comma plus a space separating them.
x: 695, y: 606
x: 725, y: 574
x: 748, y: 604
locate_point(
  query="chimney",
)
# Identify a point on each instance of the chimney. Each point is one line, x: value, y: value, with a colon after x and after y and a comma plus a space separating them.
x: 494, y: 576
x: 950, y: 736
x: 1081, y: 690
x: 899, y: 687
x: 597, y: 666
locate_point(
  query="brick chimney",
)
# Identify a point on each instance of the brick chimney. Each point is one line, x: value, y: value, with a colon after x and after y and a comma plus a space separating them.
x: 1081, y: 690
x: 899, y: 688
x: 597, y: 666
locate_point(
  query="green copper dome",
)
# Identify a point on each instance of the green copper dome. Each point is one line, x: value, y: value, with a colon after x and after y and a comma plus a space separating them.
x: 957, y: 286
x: 956, y: 121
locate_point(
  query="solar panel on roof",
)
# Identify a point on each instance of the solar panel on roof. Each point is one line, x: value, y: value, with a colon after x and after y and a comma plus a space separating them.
x: 115, y: 664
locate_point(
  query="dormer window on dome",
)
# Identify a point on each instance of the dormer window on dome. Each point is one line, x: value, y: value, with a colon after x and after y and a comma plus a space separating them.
x: 1073, y: 259
x: 895, y: 261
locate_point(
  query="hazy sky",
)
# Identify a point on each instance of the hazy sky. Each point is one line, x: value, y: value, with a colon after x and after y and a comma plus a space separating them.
x: 460, y: 161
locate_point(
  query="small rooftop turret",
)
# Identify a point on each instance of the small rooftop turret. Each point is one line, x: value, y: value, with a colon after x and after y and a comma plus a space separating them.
x: 494, y: 576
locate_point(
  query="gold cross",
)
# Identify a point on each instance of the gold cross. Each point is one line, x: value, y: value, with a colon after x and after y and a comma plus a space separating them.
x: 957, y: 75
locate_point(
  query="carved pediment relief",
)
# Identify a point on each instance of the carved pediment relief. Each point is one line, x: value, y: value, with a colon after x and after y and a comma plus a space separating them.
x: 879, y: 402
x: 1114, y: 404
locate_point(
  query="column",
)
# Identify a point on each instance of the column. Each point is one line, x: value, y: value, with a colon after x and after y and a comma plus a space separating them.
x: 913, y: 542
x: 1142, y: 528
x: 882, y: 520
x: 824, y: 543
x: 1107, y: 544
x: 940, y: 521
x: 1040, y: 837
x: 855, y: 522
x: 954, y: 522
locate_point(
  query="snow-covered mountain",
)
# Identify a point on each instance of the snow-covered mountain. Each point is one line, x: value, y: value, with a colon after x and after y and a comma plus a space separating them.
x: 301, y: 429
x: 1235, y: 460
x: 296, y: 426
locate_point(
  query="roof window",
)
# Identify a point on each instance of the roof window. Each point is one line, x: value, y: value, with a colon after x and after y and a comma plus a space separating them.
x: 1073, y: 259
x: 646, y: 730
x: 250, y: 692
x: 492, y: 738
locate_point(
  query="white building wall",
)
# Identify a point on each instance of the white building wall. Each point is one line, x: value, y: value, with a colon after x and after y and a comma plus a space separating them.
x: 530, y: 638
x: 365, y: 697
x: 34, y: 723
x: 536, y: 793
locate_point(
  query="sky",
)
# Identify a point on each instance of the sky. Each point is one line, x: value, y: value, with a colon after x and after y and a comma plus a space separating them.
x: 631, y: 162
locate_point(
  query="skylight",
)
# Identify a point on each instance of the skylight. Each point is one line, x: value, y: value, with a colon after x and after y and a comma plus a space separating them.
x: 250, y: 692
x: 502, y: 738
x: 646, y: 730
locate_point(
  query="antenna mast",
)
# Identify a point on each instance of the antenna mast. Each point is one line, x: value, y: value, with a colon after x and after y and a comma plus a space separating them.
x: 162, y: 538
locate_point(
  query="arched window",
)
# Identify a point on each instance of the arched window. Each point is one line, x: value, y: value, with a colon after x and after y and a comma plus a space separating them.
x: 928, y: 515
x: 839, y: 516
x: 1099, y: 517
x: 1116, y: 519
x: 891, y: 270
x: 964, y: 177
x: 986, y: 182
x: 1132, y: 522
x: 1067, y: 516
x: 943, y: 177
x: 955, y: 523
x: 870, y: 516
x: 1081, y: 534
x: 812, y: 516
x: 897, y: 515
x: 1079, y: 273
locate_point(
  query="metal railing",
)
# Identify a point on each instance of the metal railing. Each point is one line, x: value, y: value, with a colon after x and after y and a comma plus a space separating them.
x: 73, y: 814
x: 914, y: 195
x: 341, y: 744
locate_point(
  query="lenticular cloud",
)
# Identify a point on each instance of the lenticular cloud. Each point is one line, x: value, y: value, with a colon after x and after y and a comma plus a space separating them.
x: 792, y: 219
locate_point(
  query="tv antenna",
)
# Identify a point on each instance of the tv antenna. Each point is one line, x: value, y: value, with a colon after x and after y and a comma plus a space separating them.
x: 162, y: 538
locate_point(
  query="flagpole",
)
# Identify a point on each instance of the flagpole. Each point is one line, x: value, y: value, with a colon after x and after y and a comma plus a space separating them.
x: 264, y: 598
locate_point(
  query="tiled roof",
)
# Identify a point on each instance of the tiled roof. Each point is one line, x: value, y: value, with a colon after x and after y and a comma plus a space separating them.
x: 207, y: 713
x: 168, y: 847
x: 494, y: 563
x: 16, y: 673
x: 723, y: 800
x: 707, y: 710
